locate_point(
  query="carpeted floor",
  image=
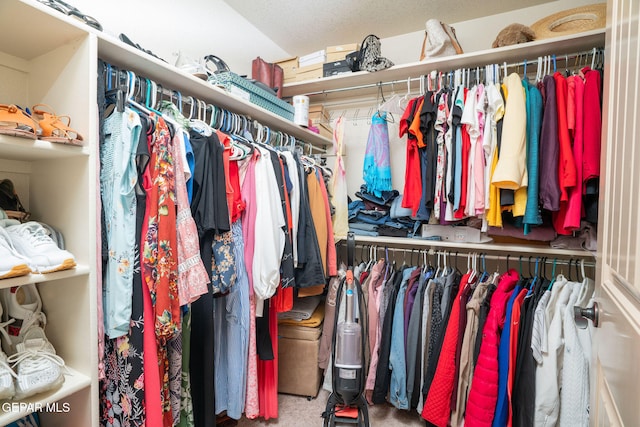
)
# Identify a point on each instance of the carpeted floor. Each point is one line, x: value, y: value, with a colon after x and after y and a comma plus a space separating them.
x: 297, y: 411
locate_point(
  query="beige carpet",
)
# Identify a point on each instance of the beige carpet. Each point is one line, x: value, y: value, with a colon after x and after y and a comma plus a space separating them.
x: 296, y: 411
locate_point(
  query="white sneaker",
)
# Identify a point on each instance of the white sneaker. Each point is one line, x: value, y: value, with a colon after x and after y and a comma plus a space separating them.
x: 32, y: 241
x: 7, y: 389
x: 12, y: 264
x: 31, y: 355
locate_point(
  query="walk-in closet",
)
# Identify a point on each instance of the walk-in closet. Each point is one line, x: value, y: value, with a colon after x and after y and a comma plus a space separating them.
x: 219, y: 213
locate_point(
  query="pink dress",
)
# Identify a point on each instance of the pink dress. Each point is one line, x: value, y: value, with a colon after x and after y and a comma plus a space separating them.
x: 192, y: 274
x: 252, y: 404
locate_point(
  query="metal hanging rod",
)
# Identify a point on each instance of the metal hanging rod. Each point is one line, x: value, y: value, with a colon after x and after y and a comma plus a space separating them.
x: 549, y: 260
x: 595, y: 52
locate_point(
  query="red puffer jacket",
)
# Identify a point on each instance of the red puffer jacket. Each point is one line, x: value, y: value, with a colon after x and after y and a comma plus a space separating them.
x: 437, y: 407
x: 484, y: 387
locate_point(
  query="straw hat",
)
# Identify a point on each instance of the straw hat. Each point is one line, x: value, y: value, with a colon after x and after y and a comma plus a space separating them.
x: 571, y: 21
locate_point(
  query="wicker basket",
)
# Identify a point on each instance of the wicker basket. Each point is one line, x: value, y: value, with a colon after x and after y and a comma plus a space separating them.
x: 257, y: 95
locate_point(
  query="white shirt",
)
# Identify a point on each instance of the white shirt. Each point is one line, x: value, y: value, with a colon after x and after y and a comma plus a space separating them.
x: 269, y: 235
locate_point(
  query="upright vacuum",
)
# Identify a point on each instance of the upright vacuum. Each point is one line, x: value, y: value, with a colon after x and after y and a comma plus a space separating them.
x: 346, y: 403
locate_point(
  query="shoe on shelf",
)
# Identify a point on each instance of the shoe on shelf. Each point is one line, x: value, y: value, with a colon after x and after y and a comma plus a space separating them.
x: 7, y: 389
x: 12, y: 264
x: 32, y: 240
x: 34, y: 360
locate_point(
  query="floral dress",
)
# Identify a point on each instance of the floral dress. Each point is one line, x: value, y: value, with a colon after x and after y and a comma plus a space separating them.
x: 121, y: 391
x: 159, y: 255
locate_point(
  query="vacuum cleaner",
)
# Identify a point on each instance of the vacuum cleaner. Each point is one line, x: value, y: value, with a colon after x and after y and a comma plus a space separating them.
x: 346, y: 403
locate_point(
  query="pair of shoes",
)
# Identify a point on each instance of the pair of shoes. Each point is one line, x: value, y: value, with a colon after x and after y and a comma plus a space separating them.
x: 50, y: 127
x: 191, y: 66
x: 32, y: 365
x: 72, y: 11
x: 30, y: 245
x: 123, y: 37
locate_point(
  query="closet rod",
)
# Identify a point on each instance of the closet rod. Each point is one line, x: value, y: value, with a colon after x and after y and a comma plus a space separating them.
x: 533, y: 62
x: 515, y: 259
x: 196, y: 105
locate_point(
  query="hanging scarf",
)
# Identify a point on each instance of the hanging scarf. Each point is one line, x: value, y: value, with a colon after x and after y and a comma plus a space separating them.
x: 377, y: 169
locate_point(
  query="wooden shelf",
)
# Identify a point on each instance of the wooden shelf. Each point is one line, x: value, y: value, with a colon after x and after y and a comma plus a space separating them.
x: 80, y: 270
x: 121, y: 55
x: 16, y: 148
x: 37, y: 35
x: 404, y: 242
x: 74, y: 381
x: 557, y: 46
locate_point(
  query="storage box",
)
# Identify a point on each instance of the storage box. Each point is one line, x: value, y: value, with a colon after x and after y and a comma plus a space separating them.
x: 335, y: 68
x: 336, y: 56
x: 454, y: 233
x: 318, y: 114
x: 343, y: 48
x: 309, y: 73
x: 290, y: 67
x: 258, y: 96
x: 298, y: 371
x: 317, y: 57
x: 288, y: 63
x: 325, y: 130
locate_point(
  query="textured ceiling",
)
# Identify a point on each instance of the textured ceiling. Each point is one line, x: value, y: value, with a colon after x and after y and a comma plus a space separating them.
x: 303, y: 26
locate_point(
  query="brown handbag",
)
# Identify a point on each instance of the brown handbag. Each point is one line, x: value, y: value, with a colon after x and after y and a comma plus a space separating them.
x: 269, y: 74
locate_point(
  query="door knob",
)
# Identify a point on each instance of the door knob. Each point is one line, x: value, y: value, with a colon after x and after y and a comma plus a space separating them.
x: 581, y: 314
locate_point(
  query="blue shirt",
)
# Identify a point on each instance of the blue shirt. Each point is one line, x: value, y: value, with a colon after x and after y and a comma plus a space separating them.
x: 502, y: 405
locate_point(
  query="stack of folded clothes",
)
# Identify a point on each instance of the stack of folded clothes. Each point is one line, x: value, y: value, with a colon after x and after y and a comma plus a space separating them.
x: 380, y: 216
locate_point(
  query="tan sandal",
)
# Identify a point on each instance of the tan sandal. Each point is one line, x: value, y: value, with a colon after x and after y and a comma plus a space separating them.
x: 54, y: 128
x: 16, y: 122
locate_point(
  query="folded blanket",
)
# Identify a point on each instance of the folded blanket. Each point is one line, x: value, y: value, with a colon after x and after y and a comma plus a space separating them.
x: 302, y: 309
x: 313, y: 322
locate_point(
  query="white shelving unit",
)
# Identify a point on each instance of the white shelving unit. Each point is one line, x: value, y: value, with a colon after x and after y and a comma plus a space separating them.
x: 48, y: 60
x: 558, y: 46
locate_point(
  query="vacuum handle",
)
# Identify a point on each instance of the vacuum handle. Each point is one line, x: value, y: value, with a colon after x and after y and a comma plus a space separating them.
x: 351, y: 249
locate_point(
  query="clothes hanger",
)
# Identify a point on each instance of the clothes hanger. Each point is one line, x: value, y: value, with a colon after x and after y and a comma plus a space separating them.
x: 197, y: 123
x: 474, y: 270
x: 520, y: 266
x: 553, y: 274
x: 131, y: 85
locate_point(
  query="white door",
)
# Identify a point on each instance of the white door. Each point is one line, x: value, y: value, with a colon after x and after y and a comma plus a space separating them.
x: 615, y: 369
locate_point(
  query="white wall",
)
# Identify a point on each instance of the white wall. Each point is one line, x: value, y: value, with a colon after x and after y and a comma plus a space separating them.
x: 475, y: 34
x: 195, y: 27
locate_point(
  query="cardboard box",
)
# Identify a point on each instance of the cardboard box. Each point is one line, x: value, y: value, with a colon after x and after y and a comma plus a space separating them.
x: 336, y: 56
x: 318, y: 114
x: 343, y: 48
x: 309, y: 73
x: 317, y: 57
x: 290, y: 67
x: 325, y: 130
x: 288, y: 63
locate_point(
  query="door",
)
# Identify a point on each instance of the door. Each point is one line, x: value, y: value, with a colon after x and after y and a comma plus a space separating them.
x: 615, y: 371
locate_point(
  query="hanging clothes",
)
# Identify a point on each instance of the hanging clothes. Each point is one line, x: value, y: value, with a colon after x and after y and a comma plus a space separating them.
x: 124, y: 362
x: 338, y: 184
x: 532, y: 216
x: 377, y: 165
x: 483, y: 393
